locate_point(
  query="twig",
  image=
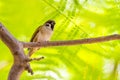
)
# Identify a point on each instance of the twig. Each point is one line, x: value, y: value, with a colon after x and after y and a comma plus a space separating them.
x: 71, y: 42
x: 40, y: 58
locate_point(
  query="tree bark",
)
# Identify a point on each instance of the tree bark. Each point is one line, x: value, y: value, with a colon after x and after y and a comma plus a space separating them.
x: 16, y: 48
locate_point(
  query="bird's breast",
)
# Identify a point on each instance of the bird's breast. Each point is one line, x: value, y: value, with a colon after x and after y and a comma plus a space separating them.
x: 44, y: 36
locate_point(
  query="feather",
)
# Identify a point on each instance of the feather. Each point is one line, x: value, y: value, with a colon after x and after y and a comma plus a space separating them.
x: 35, y: 33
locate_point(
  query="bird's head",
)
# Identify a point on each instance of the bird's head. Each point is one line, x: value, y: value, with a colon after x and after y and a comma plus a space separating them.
x: 49, y: 24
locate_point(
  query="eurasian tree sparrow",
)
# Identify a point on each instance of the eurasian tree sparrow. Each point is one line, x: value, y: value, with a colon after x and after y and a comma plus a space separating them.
x: 42, y: 33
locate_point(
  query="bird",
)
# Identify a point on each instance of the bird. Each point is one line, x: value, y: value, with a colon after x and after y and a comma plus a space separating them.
x: 42, y: 33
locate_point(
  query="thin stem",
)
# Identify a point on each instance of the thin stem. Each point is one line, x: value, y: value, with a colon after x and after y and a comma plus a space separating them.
x: 71, y: 42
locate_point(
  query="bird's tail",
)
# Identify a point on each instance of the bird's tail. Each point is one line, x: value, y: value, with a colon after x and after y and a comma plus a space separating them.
x: 31, y: 51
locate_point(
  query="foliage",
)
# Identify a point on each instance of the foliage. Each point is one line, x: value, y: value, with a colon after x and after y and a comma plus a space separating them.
x: 75, y: 19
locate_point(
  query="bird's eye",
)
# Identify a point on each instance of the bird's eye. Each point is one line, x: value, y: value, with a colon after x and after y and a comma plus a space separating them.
x: 47, y: 25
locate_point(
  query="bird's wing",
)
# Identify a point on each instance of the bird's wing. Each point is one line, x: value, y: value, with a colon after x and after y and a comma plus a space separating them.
x: 35, y: 33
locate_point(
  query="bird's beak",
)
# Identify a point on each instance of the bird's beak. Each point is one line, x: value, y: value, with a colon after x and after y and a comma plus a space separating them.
x: 52, y: 24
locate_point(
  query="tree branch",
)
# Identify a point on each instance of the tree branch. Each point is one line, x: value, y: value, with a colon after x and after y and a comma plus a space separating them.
x: 37, y: 59
x: 71, y: 42
x: 21, y: 61
x: 16, y: 48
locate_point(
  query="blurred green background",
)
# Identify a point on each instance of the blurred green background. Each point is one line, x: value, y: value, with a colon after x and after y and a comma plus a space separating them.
x: 75, y: 19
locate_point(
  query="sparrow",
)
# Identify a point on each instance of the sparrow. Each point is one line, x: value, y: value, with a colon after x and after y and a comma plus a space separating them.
x: 42, y: 33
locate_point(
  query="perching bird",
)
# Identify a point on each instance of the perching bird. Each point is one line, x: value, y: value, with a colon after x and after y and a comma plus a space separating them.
x: 42, y: 33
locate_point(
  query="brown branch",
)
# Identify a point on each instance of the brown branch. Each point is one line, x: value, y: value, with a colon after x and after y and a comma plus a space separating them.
x: 37, y: 59
x: 16, y: 48
x: 72, y: 42
x: 21, y: 61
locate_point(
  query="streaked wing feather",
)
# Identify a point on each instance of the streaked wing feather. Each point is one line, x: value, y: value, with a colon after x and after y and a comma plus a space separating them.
x: 35, y: 33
